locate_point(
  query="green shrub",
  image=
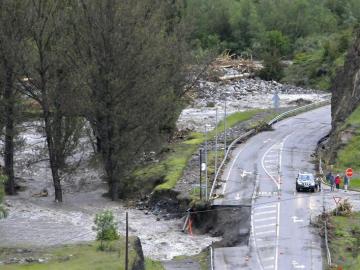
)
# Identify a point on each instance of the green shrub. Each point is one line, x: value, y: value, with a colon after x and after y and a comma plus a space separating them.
x: 2, y: 193
x: 105, y: 226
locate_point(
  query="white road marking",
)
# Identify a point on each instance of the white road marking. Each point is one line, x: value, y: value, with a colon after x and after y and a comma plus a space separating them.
x: 265, y: 206
x: 265, y: 232
x: 265, y: 219
x: 266, y: 246
x: 264, y: 226
x: 296, y: 219
x: 231, y: 167
x: 265, y: 213
x: 271, y: 160
x: 296, y: 265
x: 267, y: 193
x: 244, y: 173
x: 277, y: 238
x: 269, y: 267
x: 268, y: 259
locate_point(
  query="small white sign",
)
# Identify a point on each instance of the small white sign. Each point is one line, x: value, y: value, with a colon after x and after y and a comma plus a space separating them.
x: 203, y: 166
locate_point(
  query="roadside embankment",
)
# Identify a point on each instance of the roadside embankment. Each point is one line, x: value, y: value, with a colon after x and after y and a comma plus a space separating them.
x: 80, y: 256
x: 345, y: 100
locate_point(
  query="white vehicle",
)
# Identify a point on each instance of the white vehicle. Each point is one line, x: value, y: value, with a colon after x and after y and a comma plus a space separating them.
x: 305, y: 181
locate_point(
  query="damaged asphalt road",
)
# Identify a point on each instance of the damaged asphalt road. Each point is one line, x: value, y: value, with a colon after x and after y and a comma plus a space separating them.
x: 262, y: 172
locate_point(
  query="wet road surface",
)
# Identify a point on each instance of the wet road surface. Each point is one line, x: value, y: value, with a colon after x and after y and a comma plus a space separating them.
x: 262, y: 172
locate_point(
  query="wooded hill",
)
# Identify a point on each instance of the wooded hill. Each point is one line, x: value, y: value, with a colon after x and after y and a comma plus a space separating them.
x: 314, y: 34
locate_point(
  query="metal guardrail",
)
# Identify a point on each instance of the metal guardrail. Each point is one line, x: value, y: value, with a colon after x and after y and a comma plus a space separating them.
x: 250, y: 132
x: 270, y: 123
x: 300, y: 109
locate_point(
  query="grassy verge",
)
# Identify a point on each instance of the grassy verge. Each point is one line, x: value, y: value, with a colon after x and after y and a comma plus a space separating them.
x: 171, y: 167
x: 79, y: 257
x: 195, y: 192
x: 202, y: 258
x: 345, y: 241
x: 349, y: 155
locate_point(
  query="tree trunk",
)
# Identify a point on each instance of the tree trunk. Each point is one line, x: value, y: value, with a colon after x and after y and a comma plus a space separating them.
x: 9, y: 132
x: 52, y: 154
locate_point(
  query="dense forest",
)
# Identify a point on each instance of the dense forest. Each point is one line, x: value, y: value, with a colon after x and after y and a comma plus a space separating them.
x: 314, y: 34
x: 121, y: 67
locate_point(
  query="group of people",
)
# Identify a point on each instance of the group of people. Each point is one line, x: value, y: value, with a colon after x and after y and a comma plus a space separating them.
x: 335, y: 181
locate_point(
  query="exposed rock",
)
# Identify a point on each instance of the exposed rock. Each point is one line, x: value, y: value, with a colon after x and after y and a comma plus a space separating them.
x: 240, y: 95
x: 139, y: 260
x: 345, y: 96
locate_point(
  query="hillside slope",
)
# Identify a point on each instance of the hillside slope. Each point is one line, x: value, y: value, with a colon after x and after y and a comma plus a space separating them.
x: 345, y: 99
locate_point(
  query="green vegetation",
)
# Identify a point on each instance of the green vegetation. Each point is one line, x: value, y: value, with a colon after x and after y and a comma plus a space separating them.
x: 345, y: 241
x: 105, y: 226
x: 314, y: 33
x: 82, y: 256
x: 2, y: 183
x: 202, y: 258
x: 349, y: 155
x: 171, y: 167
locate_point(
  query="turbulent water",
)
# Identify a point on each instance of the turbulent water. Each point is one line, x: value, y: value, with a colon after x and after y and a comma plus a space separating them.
x: 39, y: 221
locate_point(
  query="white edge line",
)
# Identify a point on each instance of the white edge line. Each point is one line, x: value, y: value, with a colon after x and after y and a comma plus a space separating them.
x: 266, y: 171
x: 231, y: 167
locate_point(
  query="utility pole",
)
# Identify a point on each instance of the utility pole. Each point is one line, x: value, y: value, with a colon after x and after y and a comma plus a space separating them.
x: 127, y: 243
x: 225, y: 127
x: 200, y: 174
x: 206, y: 163
x: 216, y: 139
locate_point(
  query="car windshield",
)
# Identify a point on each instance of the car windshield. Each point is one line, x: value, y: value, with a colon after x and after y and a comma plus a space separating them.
x: 306, y: 177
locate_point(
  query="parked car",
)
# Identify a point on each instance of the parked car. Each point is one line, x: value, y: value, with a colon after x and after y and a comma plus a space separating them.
x: 306, y: 181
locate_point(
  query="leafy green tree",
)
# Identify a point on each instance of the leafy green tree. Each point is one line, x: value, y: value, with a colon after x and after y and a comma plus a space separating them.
x: 105, y: 226
x: 246, y: 25
x: 134, y: 67
x: 12, y: 37
x: 275, y: 45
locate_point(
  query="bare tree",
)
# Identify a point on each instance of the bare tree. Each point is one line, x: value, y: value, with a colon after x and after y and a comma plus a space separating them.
x: 49, y: 80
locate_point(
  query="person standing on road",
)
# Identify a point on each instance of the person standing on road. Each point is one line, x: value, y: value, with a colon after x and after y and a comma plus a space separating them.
x: 318, y: 183
x: 337, y: 181
x: 332, y: 181
x: 346, y: 182
x: 328, y: 177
